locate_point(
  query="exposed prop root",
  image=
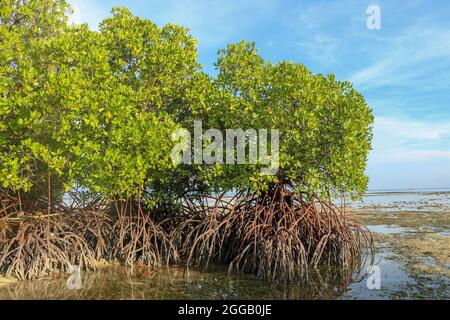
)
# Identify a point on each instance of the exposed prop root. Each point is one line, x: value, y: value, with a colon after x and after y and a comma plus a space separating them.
x: 35, y: 246
x: 83, y: 233
x: 137, y: 239
x: 200, y: 235
x: 276, y: 235
x: 96, y: 229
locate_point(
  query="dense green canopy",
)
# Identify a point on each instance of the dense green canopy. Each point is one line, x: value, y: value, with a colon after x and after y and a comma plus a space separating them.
x: 96, y: 110
x: 325, y: 125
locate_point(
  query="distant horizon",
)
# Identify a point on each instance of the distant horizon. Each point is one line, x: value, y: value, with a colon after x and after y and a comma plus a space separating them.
x: 408, y: 189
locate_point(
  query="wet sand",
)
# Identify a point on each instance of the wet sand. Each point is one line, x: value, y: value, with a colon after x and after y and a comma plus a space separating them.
x: 421, y: 239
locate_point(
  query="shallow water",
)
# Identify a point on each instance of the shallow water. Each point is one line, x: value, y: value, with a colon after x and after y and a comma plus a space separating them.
x: 422, y: 201
x: 387, y: 229
x: 172, y: 283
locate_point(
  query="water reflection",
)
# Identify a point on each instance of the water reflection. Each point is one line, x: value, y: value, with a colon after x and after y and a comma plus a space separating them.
x: 173, y: 283
x: 118, y: 283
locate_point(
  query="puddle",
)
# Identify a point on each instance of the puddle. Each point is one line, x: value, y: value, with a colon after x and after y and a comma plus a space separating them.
x: 388, y: 229
x: 392, y: 278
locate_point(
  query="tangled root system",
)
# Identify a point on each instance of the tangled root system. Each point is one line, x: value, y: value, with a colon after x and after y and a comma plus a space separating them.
x: 34, y: 246
x: 37, y: 244
x: 277, y: 235
x: 137, y: 239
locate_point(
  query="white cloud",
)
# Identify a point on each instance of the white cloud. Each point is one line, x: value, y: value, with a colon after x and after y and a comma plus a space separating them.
x: 409, y: 58
x: 88, y: 11
x: 397, y: 139
x: 408, y: 155
x: 319, y: 46
x: 315, y: 29
x: 413, y: 129
x: 214, y: 22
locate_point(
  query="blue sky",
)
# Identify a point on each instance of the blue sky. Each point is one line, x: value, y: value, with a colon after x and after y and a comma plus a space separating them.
x: 403, y: 69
